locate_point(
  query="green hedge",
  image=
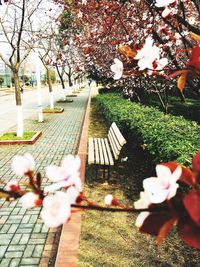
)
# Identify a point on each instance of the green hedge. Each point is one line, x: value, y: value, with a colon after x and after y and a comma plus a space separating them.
x: 167, y: 137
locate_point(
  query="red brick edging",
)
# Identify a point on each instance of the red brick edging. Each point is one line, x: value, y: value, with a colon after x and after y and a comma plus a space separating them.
x: 22, y: 142
x: 69, y: 239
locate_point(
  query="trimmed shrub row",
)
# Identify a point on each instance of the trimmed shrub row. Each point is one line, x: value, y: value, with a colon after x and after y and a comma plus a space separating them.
x: 167, y: 137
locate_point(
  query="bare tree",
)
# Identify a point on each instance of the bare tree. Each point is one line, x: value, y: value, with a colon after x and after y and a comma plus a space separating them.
x: 15, y: 22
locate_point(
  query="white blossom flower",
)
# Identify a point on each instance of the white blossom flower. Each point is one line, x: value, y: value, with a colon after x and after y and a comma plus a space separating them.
x: 164, y: 3
x: 80, y: 15
x: 84, y: 2
x: 66, y: 175
x: 56, y: 209
x: 72, y: 194
x: 23, y: 164
x: 108, y: 199
x: 144, y: 201
x: 30, y: 200
x: 117, y: 68
x: 141, y: 218
x: 12, y: 185
x: 147, y: 55
x: 163, y: 186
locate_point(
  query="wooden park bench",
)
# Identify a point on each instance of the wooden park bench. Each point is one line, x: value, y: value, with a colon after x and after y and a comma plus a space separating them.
x: 105, y: 151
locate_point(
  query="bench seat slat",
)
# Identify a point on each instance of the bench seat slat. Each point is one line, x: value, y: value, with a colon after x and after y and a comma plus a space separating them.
x: 91, y: 151
x: 97, y: 159
x: 101, y: 156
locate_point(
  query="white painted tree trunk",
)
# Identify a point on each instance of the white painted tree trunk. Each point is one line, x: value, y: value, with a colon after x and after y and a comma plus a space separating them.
x: 64, y: 94
x: 39, y: 93
x: 20, y: 121
x: 51, y: 100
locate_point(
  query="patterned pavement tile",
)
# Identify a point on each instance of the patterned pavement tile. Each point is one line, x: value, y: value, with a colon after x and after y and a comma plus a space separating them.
x: 24, y: 240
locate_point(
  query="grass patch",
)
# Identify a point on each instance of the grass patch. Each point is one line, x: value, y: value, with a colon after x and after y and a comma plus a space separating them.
x: 13, y: 136
x: 55, y: 110
x: 111, y: 239
x: 190, y: 109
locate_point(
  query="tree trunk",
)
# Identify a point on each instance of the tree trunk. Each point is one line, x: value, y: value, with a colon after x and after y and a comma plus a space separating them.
x: 39, y: 93
x: 50, y: 89
x: 20, y: 121
x: 62, y: 81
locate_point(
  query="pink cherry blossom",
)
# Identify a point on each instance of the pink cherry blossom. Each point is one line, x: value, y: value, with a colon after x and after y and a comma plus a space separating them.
x: 30, y: 200
x: 72, y: 194
x: 166, y: 12
x: 147, y: 55
x: 163, y: 186
x: 164, y: 3
x: 161, y: 63
x: 117, y: 68
x: 108, y: 199
x: 66, y: 175
x: 56, y: 209
x: 23, y: 164
x: 144, y: 201
x: 12, y: 185
x: 141, y: 218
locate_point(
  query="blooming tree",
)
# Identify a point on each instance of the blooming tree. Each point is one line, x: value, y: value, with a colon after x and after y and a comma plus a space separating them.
x: 155, y: 40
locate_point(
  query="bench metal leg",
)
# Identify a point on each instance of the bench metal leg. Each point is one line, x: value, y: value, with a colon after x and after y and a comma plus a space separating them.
x: 96, y: 171
x: 108, y: 173
x: 104, y: 172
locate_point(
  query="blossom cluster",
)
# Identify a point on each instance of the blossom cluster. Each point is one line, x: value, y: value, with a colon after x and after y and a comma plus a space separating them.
x: 161, y: 205
x: 56, y: 203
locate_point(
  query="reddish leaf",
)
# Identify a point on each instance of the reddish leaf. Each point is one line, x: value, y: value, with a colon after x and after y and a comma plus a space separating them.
x: 165, y: 230
x: 187, y: 176
x: 171, y: 165
x: 195, y: 58
x: 177, y: 73
x: 154, y: 222
x: 196, y: 162
x: 182, y: 81
x: 195, y: 36
x: 127, y: 51
x: 192, y: 204
x: 189, y: 232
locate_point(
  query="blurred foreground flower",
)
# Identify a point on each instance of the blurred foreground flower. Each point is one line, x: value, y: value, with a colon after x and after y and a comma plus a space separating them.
x: 160, y: 207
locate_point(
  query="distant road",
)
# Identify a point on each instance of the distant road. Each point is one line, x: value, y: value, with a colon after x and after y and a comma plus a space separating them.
x: 29, y: 102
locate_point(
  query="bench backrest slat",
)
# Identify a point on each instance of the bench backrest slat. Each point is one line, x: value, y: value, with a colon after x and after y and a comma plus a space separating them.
x: 109, y: 152
x: 116, y: 140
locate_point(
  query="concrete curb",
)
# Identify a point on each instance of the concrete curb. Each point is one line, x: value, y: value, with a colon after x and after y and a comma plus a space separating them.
x: 69, y: 239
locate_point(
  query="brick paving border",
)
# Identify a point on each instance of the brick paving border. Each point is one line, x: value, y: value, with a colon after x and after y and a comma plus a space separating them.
x: 69, y: 239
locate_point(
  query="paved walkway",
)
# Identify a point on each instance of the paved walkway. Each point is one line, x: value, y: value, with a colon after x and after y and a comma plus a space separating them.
x: 24, y: 240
